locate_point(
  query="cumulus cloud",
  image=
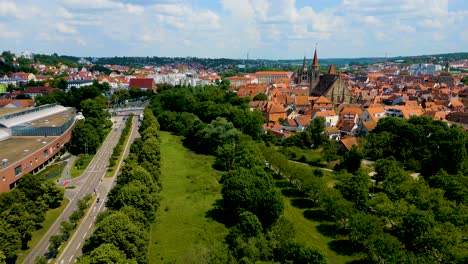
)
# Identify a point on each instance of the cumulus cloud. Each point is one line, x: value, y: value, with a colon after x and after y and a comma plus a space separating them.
x: 231, y: 28
x: 63, y: 28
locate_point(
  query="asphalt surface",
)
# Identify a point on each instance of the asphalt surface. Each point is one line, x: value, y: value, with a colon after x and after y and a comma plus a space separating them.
x: 92, y: 181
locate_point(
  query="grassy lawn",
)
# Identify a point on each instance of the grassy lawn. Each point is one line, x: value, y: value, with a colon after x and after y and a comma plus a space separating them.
x: 50, y: 217
x: 316, y: 232
x: 80, y: 165
x: 189, y: 189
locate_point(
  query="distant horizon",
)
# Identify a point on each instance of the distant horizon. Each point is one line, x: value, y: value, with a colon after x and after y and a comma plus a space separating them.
x: 307, y: 57
x: 265, y: 29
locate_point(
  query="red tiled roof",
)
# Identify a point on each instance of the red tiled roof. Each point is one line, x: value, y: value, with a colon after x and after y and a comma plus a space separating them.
x: 147, y: 83
x: 349, y: 142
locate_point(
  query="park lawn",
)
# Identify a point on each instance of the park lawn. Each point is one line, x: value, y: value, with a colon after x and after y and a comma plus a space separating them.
x: 190, y: 189
x: 50, y: 217
x: 307, y: 232
x: 81, y: 163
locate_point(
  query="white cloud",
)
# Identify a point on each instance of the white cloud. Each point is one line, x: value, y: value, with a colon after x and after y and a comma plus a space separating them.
x: 8, y: 9
x: 64, y: 13
x: 231, y: 28
x: 90, y: 4
x: 8, y: 33
x: 63, y: 28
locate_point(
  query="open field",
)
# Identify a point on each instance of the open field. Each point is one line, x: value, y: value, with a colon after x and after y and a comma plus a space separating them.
x: 50, y: 217
x: 183, y: 231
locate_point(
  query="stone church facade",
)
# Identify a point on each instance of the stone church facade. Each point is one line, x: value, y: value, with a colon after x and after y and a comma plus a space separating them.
x: 329, y: 85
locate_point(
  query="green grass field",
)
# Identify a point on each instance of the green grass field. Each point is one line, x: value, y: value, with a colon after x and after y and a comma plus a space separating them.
x: 316, y: 232
x: 50, y: 218
x: 80, y: 165
x: 182, y: 230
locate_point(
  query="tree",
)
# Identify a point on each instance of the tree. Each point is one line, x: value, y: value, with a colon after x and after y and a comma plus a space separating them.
x: 84, y: 138
x: 355, y: 187
x: 260, y: 97
x: 249, y: 225
x: 66, y: 228
x: 247, y: 192
x: 384, y: 248
x: 119, y: 96
x: 296, y: 253
x: 218, y: 133
x: 362, y: 226
x: 10, y: 239
x: 118, y: 230
x: 55, y: 242
x: 135, y: 194
x: 316, y: 130
x: 352, y: 159
x: 106, y: 253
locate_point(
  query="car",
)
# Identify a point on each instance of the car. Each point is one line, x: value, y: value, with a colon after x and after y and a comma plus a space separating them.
x: 97, y: 200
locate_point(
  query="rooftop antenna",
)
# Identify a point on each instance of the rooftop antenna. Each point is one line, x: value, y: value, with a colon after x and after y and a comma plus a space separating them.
x: 386, y: 57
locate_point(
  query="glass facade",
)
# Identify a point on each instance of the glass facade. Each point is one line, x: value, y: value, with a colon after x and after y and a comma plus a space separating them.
x: 28, y: 130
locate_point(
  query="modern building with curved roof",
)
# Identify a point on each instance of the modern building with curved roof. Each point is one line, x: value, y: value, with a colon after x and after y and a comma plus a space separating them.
x: 31, y: 139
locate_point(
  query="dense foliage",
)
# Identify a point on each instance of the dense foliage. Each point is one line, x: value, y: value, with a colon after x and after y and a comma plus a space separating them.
x: 121, y: 233
x: 420, y: 144
x: 397, y: 219
x: 216, y: 122
x: 22, y: 210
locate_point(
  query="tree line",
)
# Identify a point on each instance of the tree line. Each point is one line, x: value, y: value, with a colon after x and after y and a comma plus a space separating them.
x: 22, y: 211
x: 121, y: 232
x: 392, y: 217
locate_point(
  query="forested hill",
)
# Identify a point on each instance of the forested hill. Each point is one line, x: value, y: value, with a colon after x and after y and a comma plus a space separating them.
x: 25, y: 65
x: 159, y: 61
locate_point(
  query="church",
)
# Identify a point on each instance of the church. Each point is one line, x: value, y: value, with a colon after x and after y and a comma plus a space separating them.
x: 329, y: 85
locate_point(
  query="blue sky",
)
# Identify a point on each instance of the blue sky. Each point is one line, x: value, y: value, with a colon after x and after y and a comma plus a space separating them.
x: 271, y: 29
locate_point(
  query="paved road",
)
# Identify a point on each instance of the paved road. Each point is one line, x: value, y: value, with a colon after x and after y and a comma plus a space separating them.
x: 86, y: 183
x: 85, y: 229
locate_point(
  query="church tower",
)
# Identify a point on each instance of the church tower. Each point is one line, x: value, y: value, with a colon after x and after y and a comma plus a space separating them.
x: 315, y: 71
x: 304, y: 73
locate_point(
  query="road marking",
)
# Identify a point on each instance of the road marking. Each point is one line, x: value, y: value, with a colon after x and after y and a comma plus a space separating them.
x: 70, y: 258
x: 90, y: 224
x: 94, y: 209
x: 85, y: 234
x: 77, y: 247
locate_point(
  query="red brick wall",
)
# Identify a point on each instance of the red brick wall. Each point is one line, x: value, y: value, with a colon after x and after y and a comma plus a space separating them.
x: 7, y: 175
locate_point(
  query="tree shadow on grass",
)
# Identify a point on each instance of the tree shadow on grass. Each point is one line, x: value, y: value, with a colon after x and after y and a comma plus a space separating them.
x: 216, y: 212
x: 282, y: 184
x: 359, y: 261
x: 316, y: 215
x: 328, y: 230
x: 302, y: 203
x: 291, y: 192
x: 342, y: 247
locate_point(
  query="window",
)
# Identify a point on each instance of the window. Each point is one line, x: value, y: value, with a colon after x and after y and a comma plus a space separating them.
x: 18, y: 170
x: 3, y: 179
x: 46, y: 153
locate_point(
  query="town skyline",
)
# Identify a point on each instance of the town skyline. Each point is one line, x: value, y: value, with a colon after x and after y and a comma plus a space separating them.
x: 231, y: 29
